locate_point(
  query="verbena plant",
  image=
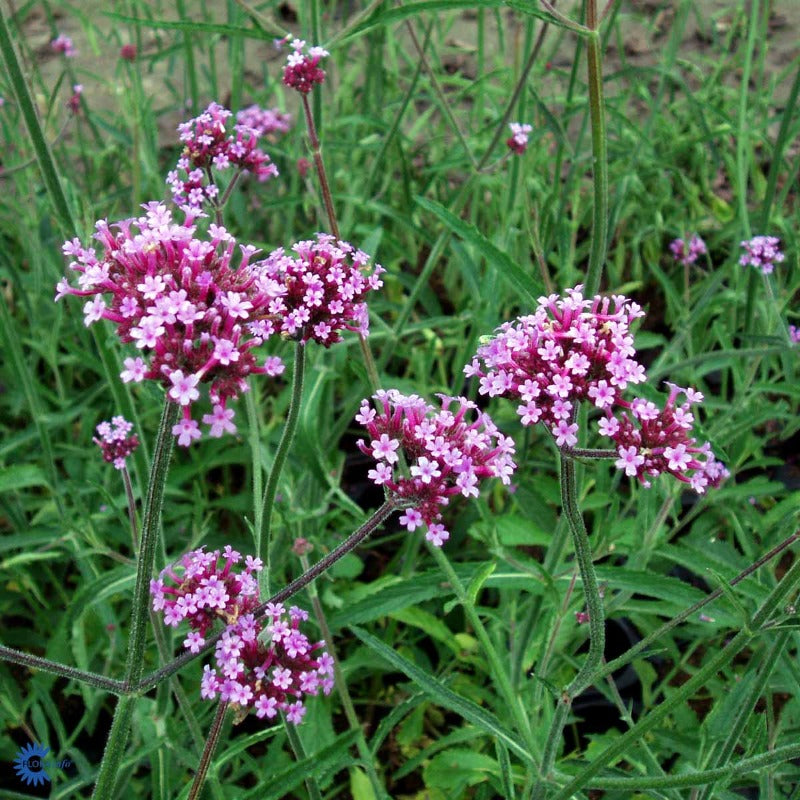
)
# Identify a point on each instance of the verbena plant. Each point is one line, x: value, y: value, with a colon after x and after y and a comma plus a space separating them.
x: 215, y: 618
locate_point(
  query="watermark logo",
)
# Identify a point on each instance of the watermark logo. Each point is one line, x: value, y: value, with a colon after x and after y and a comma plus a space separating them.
x: 31, y: 764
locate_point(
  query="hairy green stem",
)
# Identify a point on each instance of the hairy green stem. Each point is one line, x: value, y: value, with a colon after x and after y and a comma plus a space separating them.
x: 586, y: 674
x: 742, y: 766
x: 134, y: 664
x: 643, y: 644
x: 264, y: 545
x: 319, y: 165
x: 208, y: 751
x: 497, y: 669
x: 55, y: 668
x: 344, y: 693
x: 597, y: 254
x: 777, y: 596
x: 299, y: 751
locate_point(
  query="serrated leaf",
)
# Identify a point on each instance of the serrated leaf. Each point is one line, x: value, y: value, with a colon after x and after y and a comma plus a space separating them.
x: 526, y: 283
x: 444, y: 696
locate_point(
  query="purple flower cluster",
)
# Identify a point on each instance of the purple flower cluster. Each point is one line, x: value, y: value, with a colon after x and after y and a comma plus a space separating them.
x: 182, y: 302
x: 762, y: 252
x: 264, y: 121
x: 116, y: 440
x: 268, y: 665
x: 63, y: 44
x: 315, y: 291
x: 687, y: 253
x: 659, y: 441
x: 446, y: 454
x: 570, y: 349
x: 573, y: 349
x: 208, y: 145
x: 518, y: 141
x: 302, y: 69
x: 794, y: 334
x: 200, y: 590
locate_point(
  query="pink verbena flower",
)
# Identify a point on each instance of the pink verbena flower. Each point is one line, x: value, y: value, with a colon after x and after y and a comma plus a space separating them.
x: 651, y: 441
x: 446, y: 454
x: 264, y: 121
x: 183, y: 303
x: 794, y: 334
x: 570, y: 349
x: 209, y: 146
x: 518, y: 141
x: 74, y: 102
x: 63, y: 44
x: 315, y: 291
x: 302, y: 69
x: 688, y: 253
x: 268, y: 666
x: 116, y: 440
x: 762, y: 252
x: 203, y: 587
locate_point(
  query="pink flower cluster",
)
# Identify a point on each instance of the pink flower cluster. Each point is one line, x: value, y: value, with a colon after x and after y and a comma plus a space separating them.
x: 794, y: 334
x: 518, y: 141
x: 302, y: 69
x: 445, y: 453
x: 268, y: 665
x: 271, y: 675
x: 659, y: 441
x: 264, y: 121
x: 200, y: 590
x: 687, y: 253
x: 116, y: 440
x: 315, y: 291
x: 762, y: 252
x: 208, y: 145
x: 63, y: 44
x: 570, y: 349
x: 573, y: 349
x: 182, y: 302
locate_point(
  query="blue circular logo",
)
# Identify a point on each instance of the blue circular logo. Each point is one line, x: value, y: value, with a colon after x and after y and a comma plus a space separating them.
x: 29, y: 764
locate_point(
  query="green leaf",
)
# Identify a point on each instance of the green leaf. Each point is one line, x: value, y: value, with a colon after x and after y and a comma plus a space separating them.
x: 21, y: 476
x: 457, y: 767
x: 445, y: 696
x: 526, y: 283
x: 280, y: 785
x: 360, y: 787
x: 476, y: 584
x: 428, y: 623
x: 414, y: 9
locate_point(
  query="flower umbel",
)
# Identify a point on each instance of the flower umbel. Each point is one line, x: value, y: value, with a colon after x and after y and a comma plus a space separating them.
x: 267, y: 665
x: 573, y: 349
x: 202, y: 587
x: 116, y: 440
x: 315, y: 291
x: 264, y: 121
x: 687, y: 253
x: 183, y: 303
x: 445, y: 452
x: 660, y: 441
x: 518, y: 141
x: 63, y: 44
x: 570, y: 349
x: 302, y: 69
x: 762, y: 252
x: 208, y: 146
